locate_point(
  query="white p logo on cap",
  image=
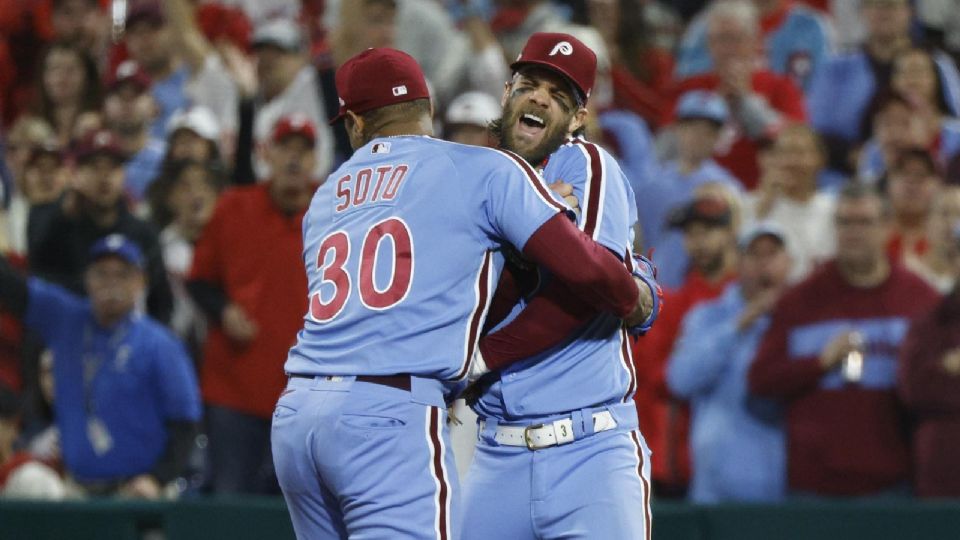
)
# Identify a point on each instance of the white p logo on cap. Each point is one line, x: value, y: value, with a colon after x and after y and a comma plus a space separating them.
x: 564, y: 48
x: 400, y: 90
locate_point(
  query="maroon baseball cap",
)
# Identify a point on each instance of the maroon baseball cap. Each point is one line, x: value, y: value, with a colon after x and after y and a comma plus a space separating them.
x: 376, y: 78
x: 295, y: 124
x: 129, y: 72
x: 99, y: 143
x: 562, y: 53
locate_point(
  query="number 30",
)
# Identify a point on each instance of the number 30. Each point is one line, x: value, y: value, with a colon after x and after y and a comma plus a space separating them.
x: 371, y: 296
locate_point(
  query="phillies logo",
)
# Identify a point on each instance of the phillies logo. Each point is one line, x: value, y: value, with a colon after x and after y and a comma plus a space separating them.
x: 564, y: 48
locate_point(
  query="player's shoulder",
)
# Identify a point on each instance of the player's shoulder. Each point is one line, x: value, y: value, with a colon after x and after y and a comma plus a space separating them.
x: 587, y: 154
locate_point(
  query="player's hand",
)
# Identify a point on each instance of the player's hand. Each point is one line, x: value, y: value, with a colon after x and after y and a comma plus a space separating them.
x: 759, y: 306
x: 644, y: 305
x: 838, y: 348
x: 143, y: 486
x: 242, y: 69
x: 237, y: 325
x: 565, y: 190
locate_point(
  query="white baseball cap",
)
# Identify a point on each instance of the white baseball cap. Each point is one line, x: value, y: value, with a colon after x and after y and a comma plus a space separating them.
x: 473, y: 108
x: 197, y: 119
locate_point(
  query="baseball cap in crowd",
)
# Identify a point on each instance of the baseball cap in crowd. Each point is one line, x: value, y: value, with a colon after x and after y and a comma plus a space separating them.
x: 703, y: 105
x: 763, y: 229
x: 281, y: 33
x: 46, y: 148
x: 129, y: 72
x: 564, y: 54
x: 100, y: 142
x: 376, y: 78
x: 197, y: 119
x: 295, y: 124
x: 117, y: 245
x: 148, y: 11
x: 473, y: 108
x: 712, y: 211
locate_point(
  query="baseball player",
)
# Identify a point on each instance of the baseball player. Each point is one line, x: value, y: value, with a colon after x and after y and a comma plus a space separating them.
x: 402, y: 248
x: 560, y: 454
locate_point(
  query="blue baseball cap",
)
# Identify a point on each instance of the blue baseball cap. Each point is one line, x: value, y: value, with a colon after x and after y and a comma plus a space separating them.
x: 117, y: 245
x: 701, y: 104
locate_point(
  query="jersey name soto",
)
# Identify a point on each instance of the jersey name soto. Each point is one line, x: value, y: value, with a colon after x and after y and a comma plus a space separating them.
x: 369, y: 186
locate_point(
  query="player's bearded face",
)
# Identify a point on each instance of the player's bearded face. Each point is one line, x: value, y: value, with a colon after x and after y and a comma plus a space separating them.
x: 537, y: 114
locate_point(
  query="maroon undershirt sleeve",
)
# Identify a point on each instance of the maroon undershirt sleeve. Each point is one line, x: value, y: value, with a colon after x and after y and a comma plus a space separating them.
x: 590, y: 271
x: 547, y: 320
x: 595, y: 282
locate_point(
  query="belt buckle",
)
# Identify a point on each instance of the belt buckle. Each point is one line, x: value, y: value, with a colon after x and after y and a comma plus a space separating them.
x: 526, y: 435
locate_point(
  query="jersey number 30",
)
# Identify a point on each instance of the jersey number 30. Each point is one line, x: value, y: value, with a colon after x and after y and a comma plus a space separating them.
x: 336, y: 274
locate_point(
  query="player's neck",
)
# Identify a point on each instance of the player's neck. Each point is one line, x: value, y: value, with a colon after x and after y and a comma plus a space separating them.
x: 423, y: 126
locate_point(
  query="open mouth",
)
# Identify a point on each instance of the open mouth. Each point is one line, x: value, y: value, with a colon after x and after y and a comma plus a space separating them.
x: 530, y: 125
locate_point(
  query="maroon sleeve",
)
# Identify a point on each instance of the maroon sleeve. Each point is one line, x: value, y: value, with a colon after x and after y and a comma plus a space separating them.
x: 774, y: 374
x: 590, y: 270
x: 547, y: 320
x: 924, y: 385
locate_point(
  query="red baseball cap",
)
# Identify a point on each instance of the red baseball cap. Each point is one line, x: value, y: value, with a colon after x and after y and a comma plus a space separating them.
x: 562, y: 53
x: 295, y: 124
x: 376, y: 78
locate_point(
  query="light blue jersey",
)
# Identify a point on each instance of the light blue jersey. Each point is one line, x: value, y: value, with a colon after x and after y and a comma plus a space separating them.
x: 593, y: 366
x: 401, y: 251
x: 597, y: 483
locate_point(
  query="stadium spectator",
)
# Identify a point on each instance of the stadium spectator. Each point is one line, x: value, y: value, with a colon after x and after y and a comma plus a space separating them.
x: 639, y: 68
x: 894, y: 129
x: 254, y: 300
x: 470, y: 58
x: 180, y: 75
x: 912, y: 184
x: 193, y: 134
x: 710, y: 237
x: 796, y: 39
x: 62, y: 232
x: 82, y: 22
x: 128, y: 111
x: 929, y: 385
x: 23, y: 475
x: 467, y: 119
x: 182, y: 204
x: 700, y: 118
x: 830, y: 356
x: 897, y: 125
x: 936, y: 264
x: 737, y: 444
x: 760, y: 101
x: 68, y: 88
x: 126, y: 399
x: 788, y: 196
x: 277, y: 82
x: 26, y: 134
x: 841, y: 91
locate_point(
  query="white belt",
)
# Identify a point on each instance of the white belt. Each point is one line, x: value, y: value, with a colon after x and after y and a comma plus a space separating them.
x: 538, y: 436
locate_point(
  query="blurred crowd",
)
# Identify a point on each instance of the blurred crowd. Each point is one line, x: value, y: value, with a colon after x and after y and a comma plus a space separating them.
x: 796, y: 167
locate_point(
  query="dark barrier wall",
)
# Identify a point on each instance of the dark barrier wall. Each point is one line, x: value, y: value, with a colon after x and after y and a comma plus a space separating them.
x: 253, y: 518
